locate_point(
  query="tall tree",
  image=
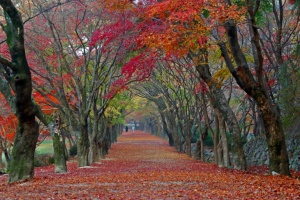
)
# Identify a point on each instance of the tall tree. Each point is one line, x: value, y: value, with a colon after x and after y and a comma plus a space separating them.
x: 255, y: 86
x: 69, y: 64
x: 19, y: 77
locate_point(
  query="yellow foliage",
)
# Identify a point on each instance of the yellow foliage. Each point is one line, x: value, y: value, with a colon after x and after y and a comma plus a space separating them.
x: 112, y: 112
x: 220, y: 76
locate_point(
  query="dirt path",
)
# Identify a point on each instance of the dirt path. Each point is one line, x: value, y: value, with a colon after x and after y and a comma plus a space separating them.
x: 142, y: 166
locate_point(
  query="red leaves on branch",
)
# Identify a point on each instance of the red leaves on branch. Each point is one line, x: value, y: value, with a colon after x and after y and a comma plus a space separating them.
x: 137, y: 69
x: 115, y: 88
x: 169, y: 27
x: 45, y: 101
x: 111, y: 33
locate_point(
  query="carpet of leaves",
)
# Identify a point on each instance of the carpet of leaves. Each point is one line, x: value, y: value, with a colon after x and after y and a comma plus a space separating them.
x: 143, y: 166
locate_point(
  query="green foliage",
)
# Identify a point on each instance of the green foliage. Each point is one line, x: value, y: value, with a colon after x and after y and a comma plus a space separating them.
x: 73, y: 150
x: 296, y: 51
x: 265, y: 8
x: 205, y: 13
x: 46, y: 147
x: 208, y: 140
x: 234, y: 102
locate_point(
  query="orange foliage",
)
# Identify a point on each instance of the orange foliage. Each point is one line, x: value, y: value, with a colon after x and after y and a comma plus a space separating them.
x: 177, y: 26
x: 44, y: 102
x: 143, y: 166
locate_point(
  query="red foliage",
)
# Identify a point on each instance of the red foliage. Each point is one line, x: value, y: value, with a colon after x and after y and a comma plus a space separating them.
x: 111, y: 32
x: 139, y: 67
x: 8, y: 121
x: 45, y: 101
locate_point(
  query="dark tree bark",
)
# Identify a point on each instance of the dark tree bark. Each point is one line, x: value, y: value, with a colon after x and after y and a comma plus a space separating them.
x: 21, y: 166
x: 82, y: 144
x: 257, y: 89
x: 166, y: 129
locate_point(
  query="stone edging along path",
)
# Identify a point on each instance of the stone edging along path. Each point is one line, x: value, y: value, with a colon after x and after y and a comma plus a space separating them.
x: 143, y: 166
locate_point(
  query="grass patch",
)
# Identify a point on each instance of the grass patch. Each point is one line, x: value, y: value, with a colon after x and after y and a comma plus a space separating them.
x: 46, y: 147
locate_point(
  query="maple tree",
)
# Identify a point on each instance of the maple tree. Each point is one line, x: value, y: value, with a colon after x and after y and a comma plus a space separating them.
x: 255, y: 86
x: 18, y: 78
x: 84, y: 54
x: 165, y: 27
x: 174, y: 33
x: 72, y: 68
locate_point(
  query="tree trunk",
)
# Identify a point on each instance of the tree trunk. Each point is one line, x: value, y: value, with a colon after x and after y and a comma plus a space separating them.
x: 203, y: 136
x: 188, y: 145
x: 82, y: 144
x: 166, y: 129
x: 59, y: 153
x: 197, y: 154
x: 220, y: 155
x: 226, y: 157
x: 114, y: 133
x: 93, y: 150
x: 201, y: 148
x: 59, y: 147
x: 21, y: 166
x: 279, y: 161
x: 220, y: 102
x: 216, y: 143
x: 256, y: 88
x: 174, y: 131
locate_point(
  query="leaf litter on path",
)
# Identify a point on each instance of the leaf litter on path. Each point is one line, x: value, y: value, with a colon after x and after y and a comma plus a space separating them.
x: 143, y: 166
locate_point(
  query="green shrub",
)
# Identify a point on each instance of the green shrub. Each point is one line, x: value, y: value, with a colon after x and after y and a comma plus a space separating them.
x: 73, y: 150
x: 209, y: 141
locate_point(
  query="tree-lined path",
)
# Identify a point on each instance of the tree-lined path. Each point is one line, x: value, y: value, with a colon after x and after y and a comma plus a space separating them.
x: 143, y: 166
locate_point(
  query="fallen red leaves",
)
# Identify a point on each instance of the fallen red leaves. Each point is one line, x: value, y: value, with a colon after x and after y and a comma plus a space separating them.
x: 142, y: 166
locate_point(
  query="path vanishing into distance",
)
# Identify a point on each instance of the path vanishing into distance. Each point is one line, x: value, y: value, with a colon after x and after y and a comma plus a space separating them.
x: 143, y: 166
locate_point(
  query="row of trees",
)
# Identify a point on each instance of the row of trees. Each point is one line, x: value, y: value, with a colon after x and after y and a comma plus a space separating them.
x: 255, y: 42
x: 198, y: 57
x: 63, y: 80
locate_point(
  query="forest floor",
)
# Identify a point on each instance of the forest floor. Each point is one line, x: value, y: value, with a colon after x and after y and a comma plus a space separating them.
x: 143, y: 166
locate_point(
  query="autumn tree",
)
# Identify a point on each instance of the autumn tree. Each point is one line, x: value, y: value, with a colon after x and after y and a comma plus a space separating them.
x: 72, y: 65
x: 255, y: 84
x: 18, y: 77
x: 166, y: 27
